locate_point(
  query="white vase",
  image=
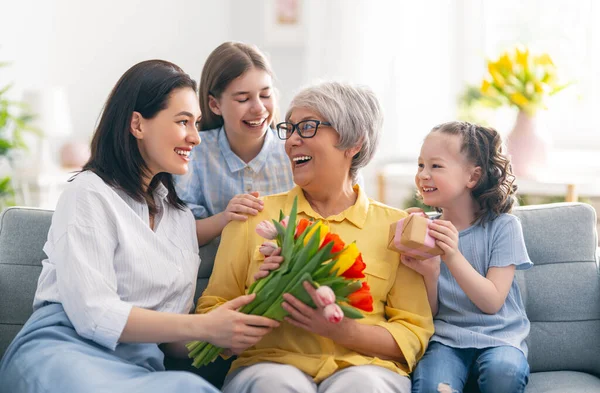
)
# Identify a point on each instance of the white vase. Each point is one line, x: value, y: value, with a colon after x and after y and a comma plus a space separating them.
x: 527, y: 147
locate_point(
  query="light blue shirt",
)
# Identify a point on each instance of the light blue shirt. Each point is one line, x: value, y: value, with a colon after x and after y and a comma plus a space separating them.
x: 459, y: 323
x: 216, y: 174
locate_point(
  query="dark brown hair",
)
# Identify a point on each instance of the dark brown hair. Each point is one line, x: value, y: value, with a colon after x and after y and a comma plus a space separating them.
x: 495, y: 191
x: 225, y: 63
x: 145, y: 88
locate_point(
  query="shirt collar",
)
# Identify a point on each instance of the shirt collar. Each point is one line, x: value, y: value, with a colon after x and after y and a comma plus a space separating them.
x: 235, y: 163
x: 161, y: 191
x: 356, y: 214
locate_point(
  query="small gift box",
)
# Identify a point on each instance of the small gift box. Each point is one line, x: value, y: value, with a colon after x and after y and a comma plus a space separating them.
x: 411, y: 236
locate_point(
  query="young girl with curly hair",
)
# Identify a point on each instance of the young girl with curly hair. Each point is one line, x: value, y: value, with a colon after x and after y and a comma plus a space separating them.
x: 480, y: 320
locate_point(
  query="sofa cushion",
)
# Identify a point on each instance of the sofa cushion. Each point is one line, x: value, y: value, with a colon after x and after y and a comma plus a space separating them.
x: 563, y: 382
x: 207, y: 260
x: 562, y: 291
x: 23, y: 232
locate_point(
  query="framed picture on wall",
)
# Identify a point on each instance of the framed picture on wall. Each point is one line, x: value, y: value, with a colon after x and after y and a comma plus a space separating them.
x: 284, y: 22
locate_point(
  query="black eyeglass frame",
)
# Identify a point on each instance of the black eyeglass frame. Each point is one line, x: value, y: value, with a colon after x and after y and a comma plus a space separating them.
x: 296, y: 127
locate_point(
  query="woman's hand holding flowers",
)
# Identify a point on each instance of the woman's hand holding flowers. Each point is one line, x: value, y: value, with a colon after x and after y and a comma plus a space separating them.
x: 314, y: 320
x: 271, y: 262
x: 310, y: 256
x: 235, y: 330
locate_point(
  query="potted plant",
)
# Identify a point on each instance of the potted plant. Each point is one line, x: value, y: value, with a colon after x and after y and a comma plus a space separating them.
x: 15, y: 120
x: 522, y: 80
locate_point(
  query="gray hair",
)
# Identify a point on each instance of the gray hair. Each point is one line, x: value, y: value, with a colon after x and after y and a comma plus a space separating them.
x: 353, y: 111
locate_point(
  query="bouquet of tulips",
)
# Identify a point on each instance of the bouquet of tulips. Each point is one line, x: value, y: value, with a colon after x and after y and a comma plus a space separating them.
x: 518, y: 78
x: 310, y: 253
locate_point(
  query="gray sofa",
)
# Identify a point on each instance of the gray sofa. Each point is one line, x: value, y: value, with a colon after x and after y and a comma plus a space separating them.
x: 561, y: 292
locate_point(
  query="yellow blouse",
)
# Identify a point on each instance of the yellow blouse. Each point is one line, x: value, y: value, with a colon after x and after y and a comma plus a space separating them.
x: 400, y: 300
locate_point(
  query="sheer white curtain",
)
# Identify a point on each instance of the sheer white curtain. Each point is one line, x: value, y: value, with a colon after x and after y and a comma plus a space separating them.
x: 405, y: 51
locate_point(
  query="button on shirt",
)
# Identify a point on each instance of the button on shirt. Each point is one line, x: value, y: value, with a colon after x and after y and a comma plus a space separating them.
x: 104, y: 259
x: 400, y: 300
x: 216, y: 174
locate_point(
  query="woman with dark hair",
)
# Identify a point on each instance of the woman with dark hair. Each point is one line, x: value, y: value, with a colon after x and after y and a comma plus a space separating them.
x: 123, y: 257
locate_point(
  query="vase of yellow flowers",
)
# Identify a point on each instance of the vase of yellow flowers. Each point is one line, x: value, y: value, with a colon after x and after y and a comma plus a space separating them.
x: 522, y: 80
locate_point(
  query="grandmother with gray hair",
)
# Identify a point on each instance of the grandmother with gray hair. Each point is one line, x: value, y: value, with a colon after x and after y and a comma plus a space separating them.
x: 331, y: 131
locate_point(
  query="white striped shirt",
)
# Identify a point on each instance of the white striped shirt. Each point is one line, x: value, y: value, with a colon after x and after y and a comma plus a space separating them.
x: 217, y: 174
x: 103, y: 258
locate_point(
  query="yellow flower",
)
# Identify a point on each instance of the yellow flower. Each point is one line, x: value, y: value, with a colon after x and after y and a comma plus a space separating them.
x: 322, y: 233
x: 519, y: 99
x: 538, y: 87
x: 486, y: 86
x: 519, y: 78
x: 496, y: 76
x: 504, y: 64
x: 346, y: 259
x: 544, y: 59
x: 522, y: 56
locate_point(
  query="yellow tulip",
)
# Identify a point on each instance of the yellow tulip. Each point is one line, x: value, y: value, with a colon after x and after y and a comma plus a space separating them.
x: 522, y: 77
x: 346, y: 259
x: 519, y: 99
x: 496, y: 76
x: 544, y: 59
x: 485, y: 87
x: 538, y: 87
x: 522, y: 56
x: 322, y: 233
x: 504, y: 64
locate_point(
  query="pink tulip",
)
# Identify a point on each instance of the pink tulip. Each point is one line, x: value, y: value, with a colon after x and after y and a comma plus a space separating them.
x: 333, y: 313
x: 266, y: 229
x: 285, y: 221
x: 267, y: 248
x: 325, y: 296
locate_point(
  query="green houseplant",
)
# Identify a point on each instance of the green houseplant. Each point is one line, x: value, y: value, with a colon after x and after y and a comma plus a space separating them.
x: 15, y: 120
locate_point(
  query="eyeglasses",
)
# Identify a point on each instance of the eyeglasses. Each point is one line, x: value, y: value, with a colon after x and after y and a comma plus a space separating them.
x: 306, y: 128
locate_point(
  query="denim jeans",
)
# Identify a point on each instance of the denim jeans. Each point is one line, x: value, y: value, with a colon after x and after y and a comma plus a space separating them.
x: 496, y: 369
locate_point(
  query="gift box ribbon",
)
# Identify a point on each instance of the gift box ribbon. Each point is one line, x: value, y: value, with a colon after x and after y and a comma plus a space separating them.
x: 428, y: 242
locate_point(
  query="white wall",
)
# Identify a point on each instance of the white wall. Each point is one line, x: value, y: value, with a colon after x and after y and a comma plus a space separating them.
x: 249, y: 24
x: 87, y: 45
x: 413, y: 54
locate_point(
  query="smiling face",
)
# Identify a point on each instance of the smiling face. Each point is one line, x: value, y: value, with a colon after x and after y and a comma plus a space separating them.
x: 166, y: 140
x: 246, y: 105
x: 316, y: 162
x: 445, y: 177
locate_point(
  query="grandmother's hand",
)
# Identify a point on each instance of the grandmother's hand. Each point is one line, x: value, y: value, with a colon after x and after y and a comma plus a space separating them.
x: 271, y: 262
x: 310, y: 319
x: 241, y: 206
